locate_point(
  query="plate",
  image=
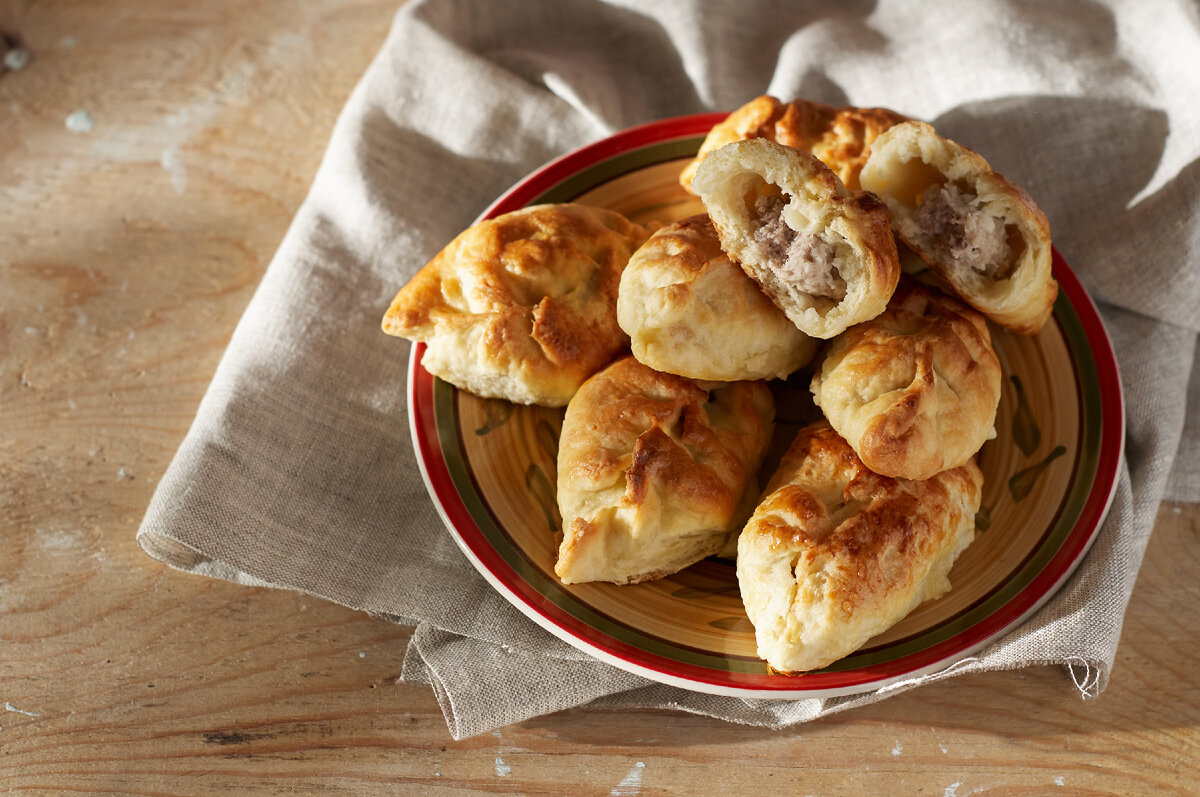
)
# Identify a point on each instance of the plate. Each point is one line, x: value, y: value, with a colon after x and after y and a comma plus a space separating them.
x: 1049, y: 478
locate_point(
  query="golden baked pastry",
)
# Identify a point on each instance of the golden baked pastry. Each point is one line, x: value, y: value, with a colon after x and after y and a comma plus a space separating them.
x: 914, y: 391
x: 652, y: 468
x: 985, y: 236
x: 822, y: 253
x: 840, y: 137
x: 835, y: 554
x: 688, y: 310
x: 523, y: 306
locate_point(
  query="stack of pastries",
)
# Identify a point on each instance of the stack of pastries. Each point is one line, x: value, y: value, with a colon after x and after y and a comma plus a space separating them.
x: 659, y: 342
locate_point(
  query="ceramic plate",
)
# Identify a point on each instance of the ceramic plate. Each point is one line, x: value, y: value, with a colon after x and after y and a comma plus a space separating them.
x: 1049, y: 478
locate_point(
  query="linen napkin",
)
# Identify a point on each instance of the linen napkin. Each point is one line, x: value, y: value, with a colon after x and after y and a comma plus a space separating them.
x: 298, y: 471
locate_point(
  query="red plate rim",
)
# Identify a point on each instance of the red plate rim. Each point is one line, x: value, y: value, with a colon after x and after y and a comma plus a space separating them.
x: 580, y: 635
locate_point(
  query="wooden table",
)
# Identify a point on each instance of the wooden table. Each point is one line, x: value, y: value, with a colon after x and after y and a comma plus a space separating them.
x: 131, y: 238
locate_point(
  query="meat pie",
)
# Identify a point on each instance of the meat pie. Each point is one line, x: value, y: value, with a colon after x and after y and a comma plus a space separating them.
x: 689, y: 310
x: 822, y: 253
x: 654, y: 471
x: 983, y: 235
x: 835, y: 553
x: 914, y: 390
x: 523, y: 306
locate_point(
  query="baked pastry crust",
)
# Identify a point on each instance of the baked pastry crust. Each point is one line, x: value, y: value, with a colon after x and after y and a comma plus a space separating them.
x: 652, y: 468
x: 689, y: 310
x: 914, y: 391
x: 983, y: 235
x: 840, y: 137
x: 523, y: 306
x: 822, y: 253
x: 835, y: 554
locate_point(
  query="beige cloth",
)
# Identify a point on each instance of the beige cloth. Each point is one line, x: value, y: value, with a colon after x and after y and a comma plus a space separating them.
x: 299, y: 473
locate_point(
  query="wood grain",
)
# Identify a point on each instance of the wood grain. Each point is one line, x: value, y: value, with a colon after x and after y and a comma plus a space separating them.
x: 127, y: 254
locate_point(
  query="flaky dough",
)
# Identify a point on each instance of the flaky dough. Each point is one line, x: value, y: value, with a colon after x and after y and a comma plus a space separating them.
x: 688, y: 310
x: 652, y: 469
x: 836, y: 554
x: 995, y: 252
x: 822, y: 253
x: 840, y: 137
x: 914, y: 391
x: 523, y: 306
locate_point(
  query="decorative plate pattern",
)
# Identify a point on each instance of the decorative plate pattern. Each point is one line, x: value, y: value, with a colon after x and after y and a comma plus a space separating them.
x: 1049, y: 477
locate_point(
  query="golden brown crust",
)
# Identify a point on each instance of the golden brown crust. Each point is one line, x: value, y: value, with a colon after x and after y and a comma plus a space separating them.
x: 738, y: 182
x: 1016, y: 289
x: 840, y: 137
x: 689, y: 310
x: 651, y: 470
x: 522, y: 306
x: 915, y: 390
x: 835, y: 554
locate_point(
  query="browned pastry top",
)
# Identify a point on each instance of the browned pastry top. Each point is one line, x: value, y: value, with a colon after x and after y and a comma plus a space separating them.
x: 522, y: 306
x: 840, y: 137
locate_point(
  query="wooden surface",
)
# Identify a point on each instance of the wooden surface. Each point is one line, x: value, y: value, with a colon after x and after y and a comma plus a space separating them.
x: 127, y: 254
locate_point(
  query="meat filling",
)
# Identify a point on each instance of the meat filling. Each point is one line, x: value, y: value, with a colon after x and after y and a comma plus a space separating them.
x: 803, y: 260
x: 962, y: 231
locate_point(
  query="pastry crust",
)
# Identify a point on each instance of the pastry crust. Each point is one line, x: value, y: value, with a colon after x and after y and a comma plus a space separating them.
x: 652, y: 469
x: 840, y: 137
x: 523, y: 306
x: 835, y: 554
x: 983, y: 235
x: 822, y: 253
x: 689, y: 310
x: 915, y: 390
